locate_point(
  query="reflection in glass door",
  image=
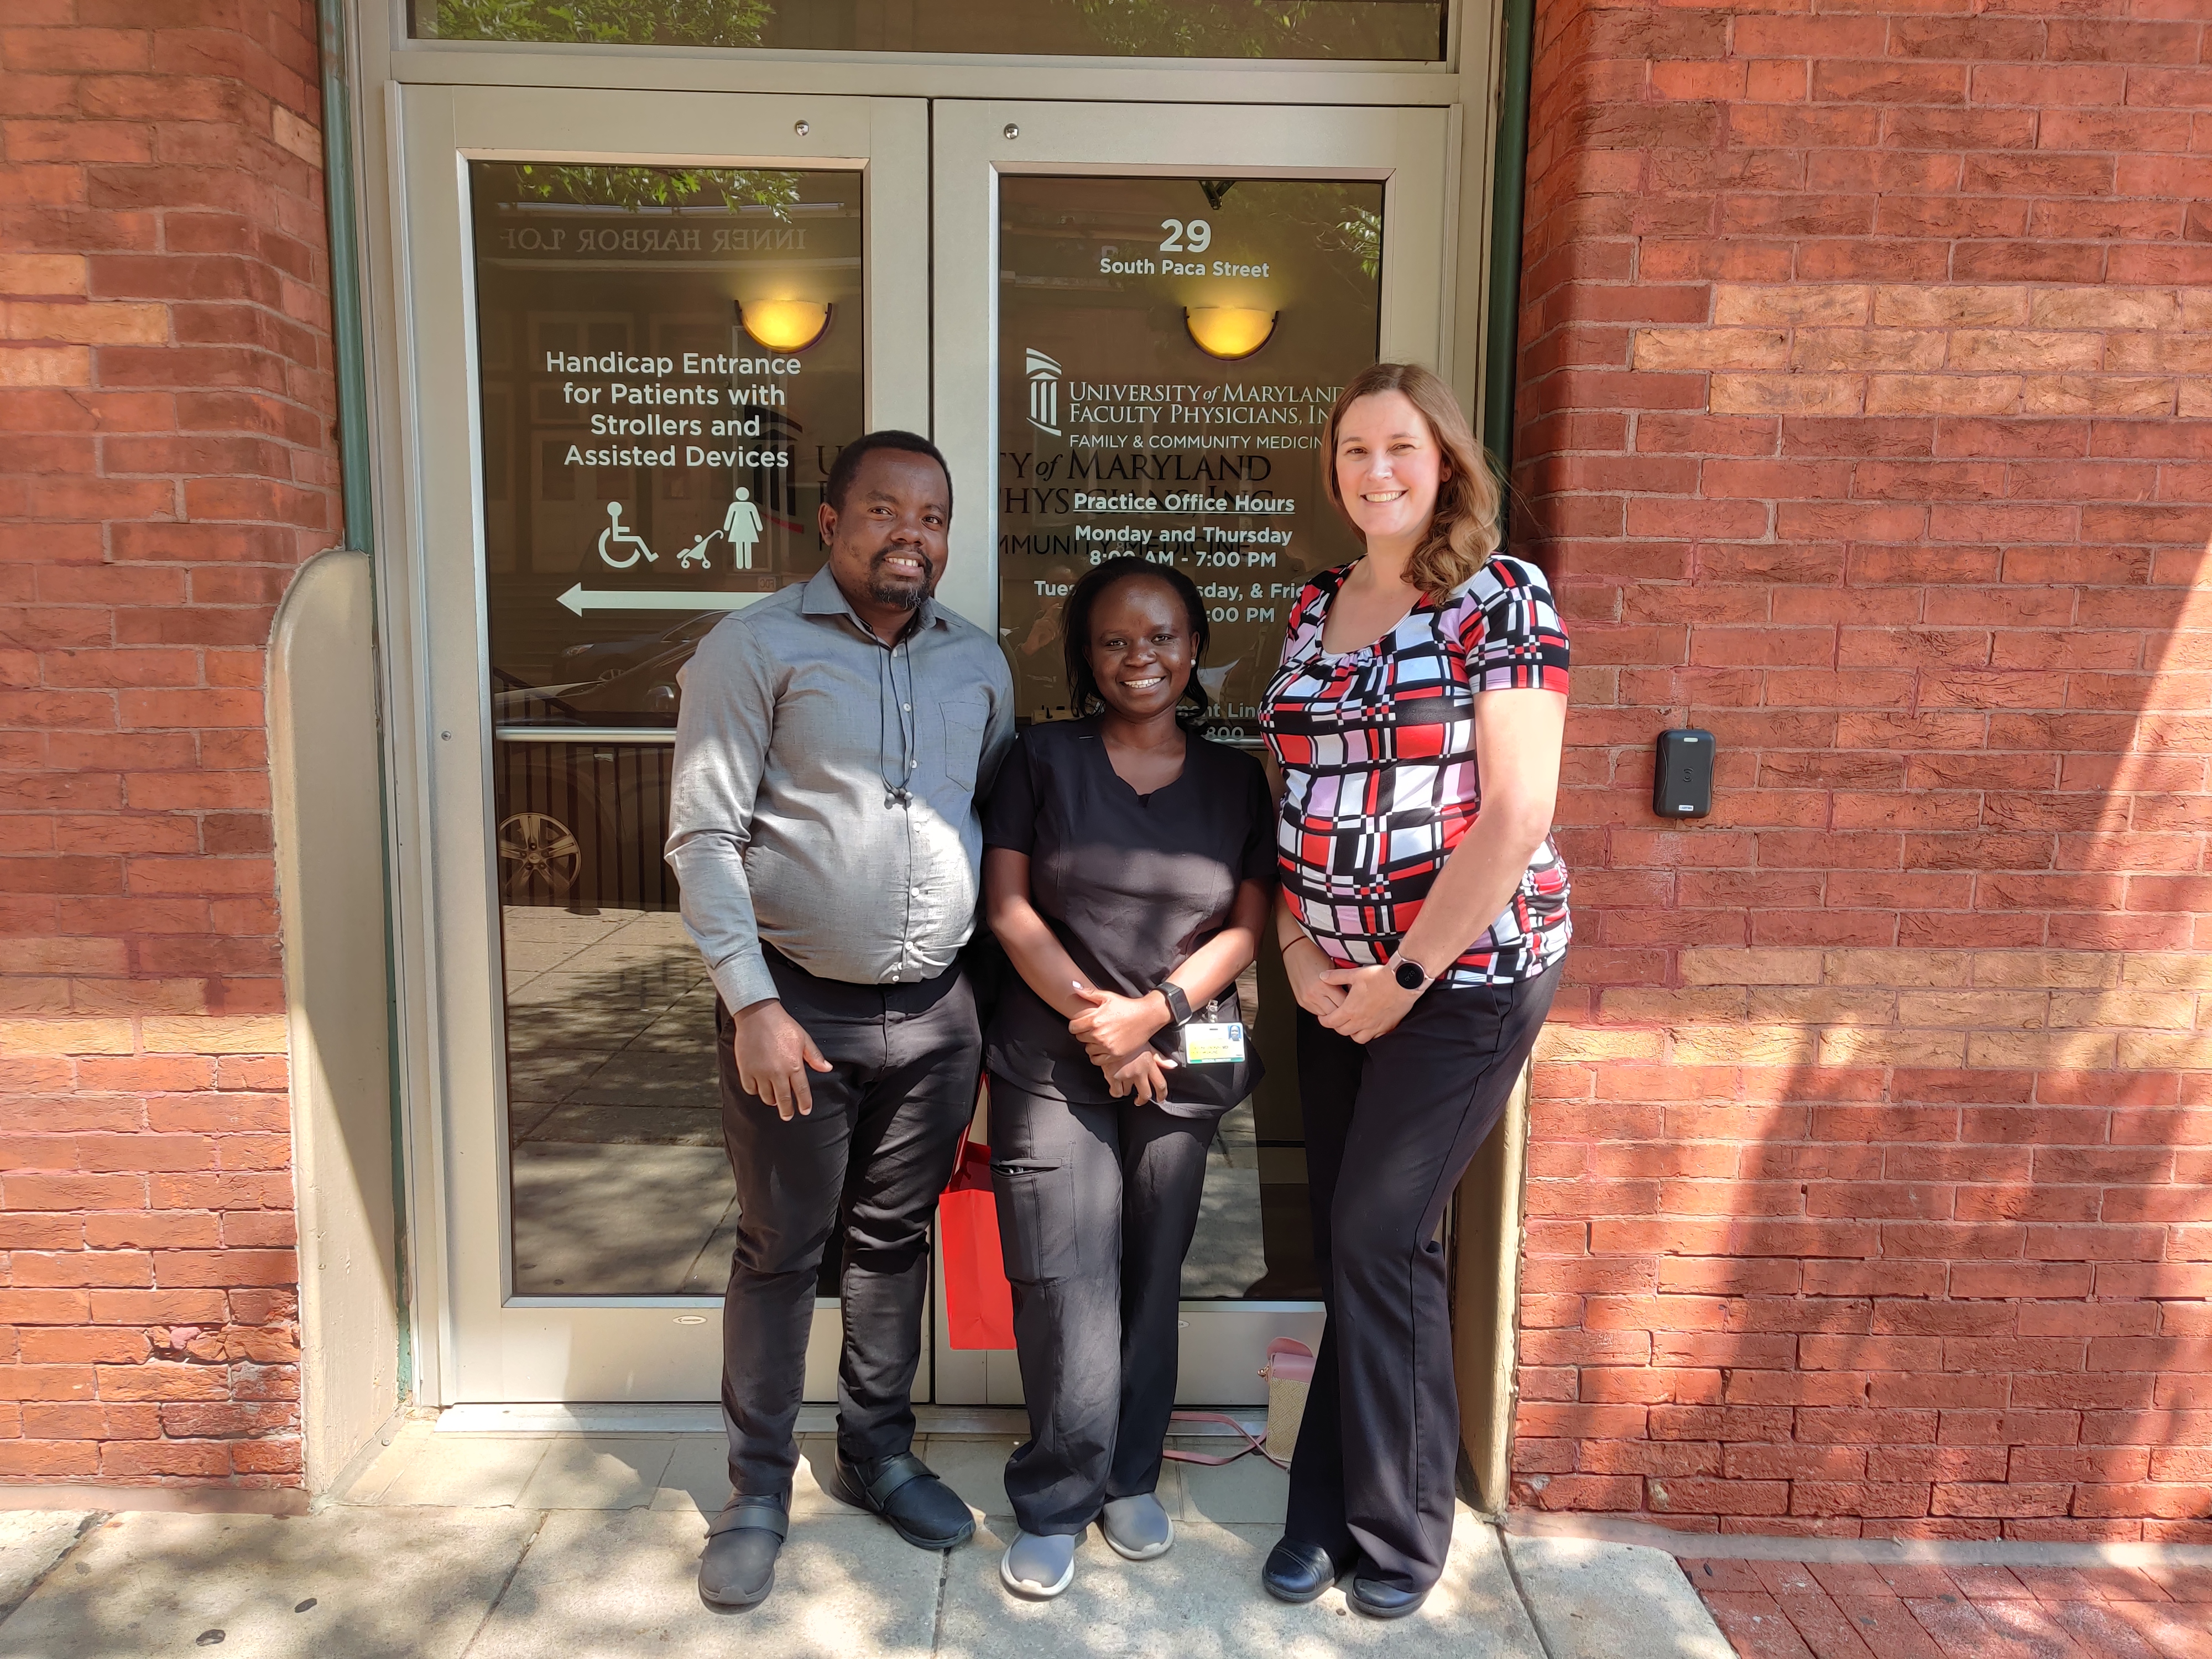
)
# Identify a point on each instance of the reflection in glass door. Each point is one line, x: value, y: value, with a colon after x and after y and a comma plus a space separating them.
x: 1170, y: 302
x: 633, y: 364
x: 1404, y: 31
x: 1169, y: 350
x: 681, y: 351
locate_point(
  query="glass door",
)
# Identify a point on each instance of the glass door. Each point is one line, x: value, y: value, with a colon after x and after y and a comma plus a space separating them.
x: 1142, y: 317
x: 642, y: 327
x: 639, y: 326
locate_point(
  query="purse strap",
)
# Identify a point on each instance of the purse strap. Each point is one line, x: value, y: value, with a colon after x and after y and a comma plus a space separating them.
x: 1253, y: 1442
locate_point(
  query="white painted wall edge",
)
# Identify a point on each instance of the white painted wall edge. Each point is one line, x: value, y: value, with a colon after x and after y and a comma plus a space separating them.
x: 329, y: 831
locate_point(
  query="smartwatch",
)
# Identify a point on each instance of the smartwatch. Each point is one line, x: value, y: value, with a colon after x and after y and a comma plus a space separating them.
x: 1409, y: 974
x: 1178, y: 1003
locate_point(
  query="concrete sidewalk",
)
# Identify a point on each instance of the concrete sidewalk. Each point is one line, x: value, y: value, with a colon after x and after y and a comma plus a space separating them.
x: 570, y: 1547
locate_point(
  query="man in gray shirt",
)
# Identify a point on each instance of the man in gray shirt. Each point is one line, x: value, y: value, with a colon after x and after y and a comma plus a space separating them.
x: 832, y: 745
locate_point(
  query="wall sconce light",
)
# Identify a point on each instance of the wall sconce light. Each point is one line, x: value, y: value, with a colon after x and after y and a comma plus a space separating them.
x: 1228, y: 331
x: 785, y: 325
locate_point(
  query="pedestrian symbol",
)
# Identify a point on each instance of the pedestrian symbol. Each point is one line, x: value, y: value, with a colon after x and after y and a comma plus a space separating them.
x: 741, y: 528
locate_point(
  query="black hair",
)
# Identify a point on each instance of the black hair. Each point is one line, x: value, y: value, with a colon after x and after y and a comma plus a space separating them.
x: 1075, y: 632
x: 848, y: 460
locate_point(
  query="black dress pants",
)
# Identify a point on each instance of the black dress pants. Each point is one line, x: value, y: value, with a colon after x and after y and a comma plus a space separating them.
x: 872, y: 1158
x: 1391, y: 1127
x: 1097, y: 1208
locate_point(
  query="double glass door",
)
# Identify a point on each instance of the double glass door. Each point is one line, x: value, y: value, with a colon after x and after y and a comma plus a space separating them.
x: 642, y: 326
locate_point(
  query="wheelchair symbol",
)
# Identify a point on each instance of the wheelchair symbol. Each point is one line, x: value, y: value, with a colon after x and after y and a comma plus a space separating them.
x: 621, y: 535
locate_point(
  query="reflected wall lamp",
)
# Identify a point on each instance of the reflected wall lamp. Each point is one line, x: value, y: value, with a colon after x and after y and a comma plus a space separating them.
x: 785, y: 325
x: 1228, y: 331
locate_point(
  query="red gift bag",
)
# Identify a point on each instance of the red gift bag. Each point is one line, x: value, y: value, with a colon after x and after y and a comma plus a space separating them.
x: 979, y: 1303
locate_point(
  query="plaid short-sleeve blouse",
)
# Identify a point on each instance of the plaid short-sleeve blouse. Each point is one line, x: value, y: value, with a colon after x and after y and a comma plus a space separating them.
x: 1377, y: 749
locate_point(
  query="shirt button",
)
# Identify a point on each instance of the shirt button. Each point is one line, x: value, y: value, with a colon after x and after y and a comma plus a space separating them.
x: 907, y: 707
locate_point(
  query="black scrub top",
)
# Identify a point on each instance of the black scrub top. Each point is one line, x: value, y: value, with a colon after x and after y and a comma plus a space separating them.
x: 1131, y: 884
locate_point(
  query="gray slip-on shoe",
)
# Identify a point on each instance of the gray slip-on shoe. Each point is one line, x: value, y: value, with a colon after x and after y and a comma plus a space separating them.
x: 1137, y: 1527
x: 1038, y: 1565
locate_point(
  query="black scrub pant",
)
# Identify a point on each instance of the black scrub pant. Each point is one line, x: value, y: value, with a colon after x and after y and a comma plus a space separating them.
x: 1096, y: 1207
x: 870, y: 1159
x: 1391, y: 1127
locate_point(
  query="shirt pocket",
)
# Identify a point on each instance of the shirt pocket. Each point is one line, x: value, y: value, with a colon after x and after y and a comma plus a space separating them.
x: 958, y: 724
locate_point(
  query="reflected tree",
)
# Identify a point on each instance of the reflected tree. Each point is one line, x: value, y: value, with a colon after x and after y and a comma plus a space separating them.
x: 639, y: 188
x: 1340, y: 217
x: 1361, y: 233
x: 1395, y: 30
x: 1241, y: 28
x: 608, y: 22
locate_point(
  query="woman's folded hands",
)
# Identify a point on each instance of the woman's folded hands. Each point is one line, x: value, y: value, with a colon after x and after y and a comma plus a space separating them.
x: 1116, y: 1032
x: 1143, y: 1075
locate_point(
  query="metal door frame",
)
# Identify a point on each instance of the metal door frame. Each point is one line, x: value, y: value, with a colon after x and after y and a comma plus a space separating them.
x: 410, y: 96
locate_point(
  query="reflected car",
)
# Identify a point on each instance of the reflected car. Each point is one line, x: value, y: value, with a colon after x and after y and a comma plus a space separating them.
x: 646, y: 693
x: 602, y: 659
x: 580, y: 825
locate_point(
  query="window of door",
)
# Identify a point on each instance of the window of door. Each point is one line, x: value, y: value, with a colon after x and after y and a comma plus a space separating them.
x: 1171, y: 301
x: 678, y: 354
x: 1373, y: 31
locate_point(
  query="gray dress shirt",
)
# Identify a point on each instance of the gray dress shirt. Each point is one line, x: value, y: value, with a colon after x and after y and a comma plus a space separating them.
x: 826, y: 787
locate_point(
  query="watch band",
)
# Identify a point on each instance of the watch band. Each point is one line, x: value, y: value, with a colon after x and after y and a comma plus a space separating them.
x: 1178, y: 1003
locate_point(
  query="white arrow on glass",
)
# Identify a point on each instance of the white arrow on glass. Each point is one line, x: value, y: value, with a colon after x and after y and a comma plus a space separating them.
x: 580, y: 599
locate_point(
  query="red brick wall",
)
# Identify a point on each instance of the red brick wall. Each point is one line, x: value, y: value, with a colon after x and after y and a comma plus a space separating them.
x: 1869, y: 1180
x: 166, y: 460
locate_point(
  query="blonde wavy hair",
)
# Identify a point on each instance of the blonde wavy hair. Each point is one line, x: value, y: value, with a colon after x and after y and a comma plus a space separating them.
x: 1463, y: 529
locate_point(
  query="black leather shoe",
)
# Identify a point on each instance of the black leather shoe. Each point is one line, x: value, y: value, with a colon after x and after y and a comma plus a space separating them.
x: 921, y: 1508
x: 1385, y: 1600
x: 739, y: 1569
x: 1298, y: 1572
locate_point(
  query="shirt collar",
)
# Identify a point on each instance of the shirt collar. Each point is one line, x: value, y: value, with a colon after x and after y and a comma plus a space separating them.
x: 822, y: 597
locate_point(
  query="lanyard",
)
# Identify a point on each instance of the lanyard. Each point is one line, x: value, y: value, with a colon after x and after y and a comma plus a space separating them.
x: 909, y: 723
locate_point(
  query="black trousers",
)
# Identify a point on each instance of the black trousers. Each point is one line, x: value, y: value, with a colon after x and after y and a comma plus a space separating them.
x: 1096, y: 1207
x: 871, y: 1159
x: 1391, y: 1127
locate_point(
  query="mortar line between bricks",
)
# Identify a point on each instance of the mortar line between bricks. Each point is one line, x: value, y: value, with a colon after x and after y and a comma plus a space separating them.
x: 77, y: 1542
x: 1513, y: 1571
x: 1871, y: 1552
x: 506, y: 1583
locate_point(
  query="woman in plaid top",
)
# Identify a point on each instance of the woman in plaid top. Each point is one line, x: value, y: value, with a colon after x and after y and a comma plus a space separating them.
x: 1418, y: 715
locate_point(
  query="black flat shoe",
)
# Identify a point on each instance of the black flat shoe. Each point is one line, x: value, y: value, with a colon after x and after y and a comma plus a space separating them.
x: 739, y: 1567
x: 1385, y: 1600
x: 1298, y: 1572
x: 921, y: 1508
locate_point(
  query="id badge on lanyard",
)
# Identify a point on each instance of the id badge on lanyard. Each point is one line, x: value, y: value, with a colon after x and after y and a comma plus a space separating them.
x: 1212, y: 1044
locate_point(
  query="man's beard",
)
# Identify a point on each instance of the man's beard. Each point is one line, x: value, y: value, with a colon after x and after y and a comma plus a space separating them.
x: 899, y: 592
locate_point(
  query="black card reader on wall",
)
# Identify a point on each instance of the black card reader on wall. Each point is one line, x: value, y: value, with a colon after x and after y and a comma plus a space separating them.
x: 1682, y: 778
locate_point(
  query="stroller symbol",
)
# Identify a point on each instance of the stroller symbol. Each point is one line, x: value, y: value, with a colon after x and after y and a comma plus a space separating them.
x: 621, y: 536
x: 697, y: 551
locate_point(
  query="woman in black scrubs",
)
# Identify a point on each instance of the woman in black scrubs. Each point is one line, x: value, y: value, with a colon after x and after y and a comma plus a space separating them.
x: 1128, y: 867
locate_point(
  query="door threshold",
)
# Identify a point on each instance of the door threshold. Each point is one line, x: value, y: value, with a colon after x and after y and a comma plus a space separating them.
x: 618, y: 1417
